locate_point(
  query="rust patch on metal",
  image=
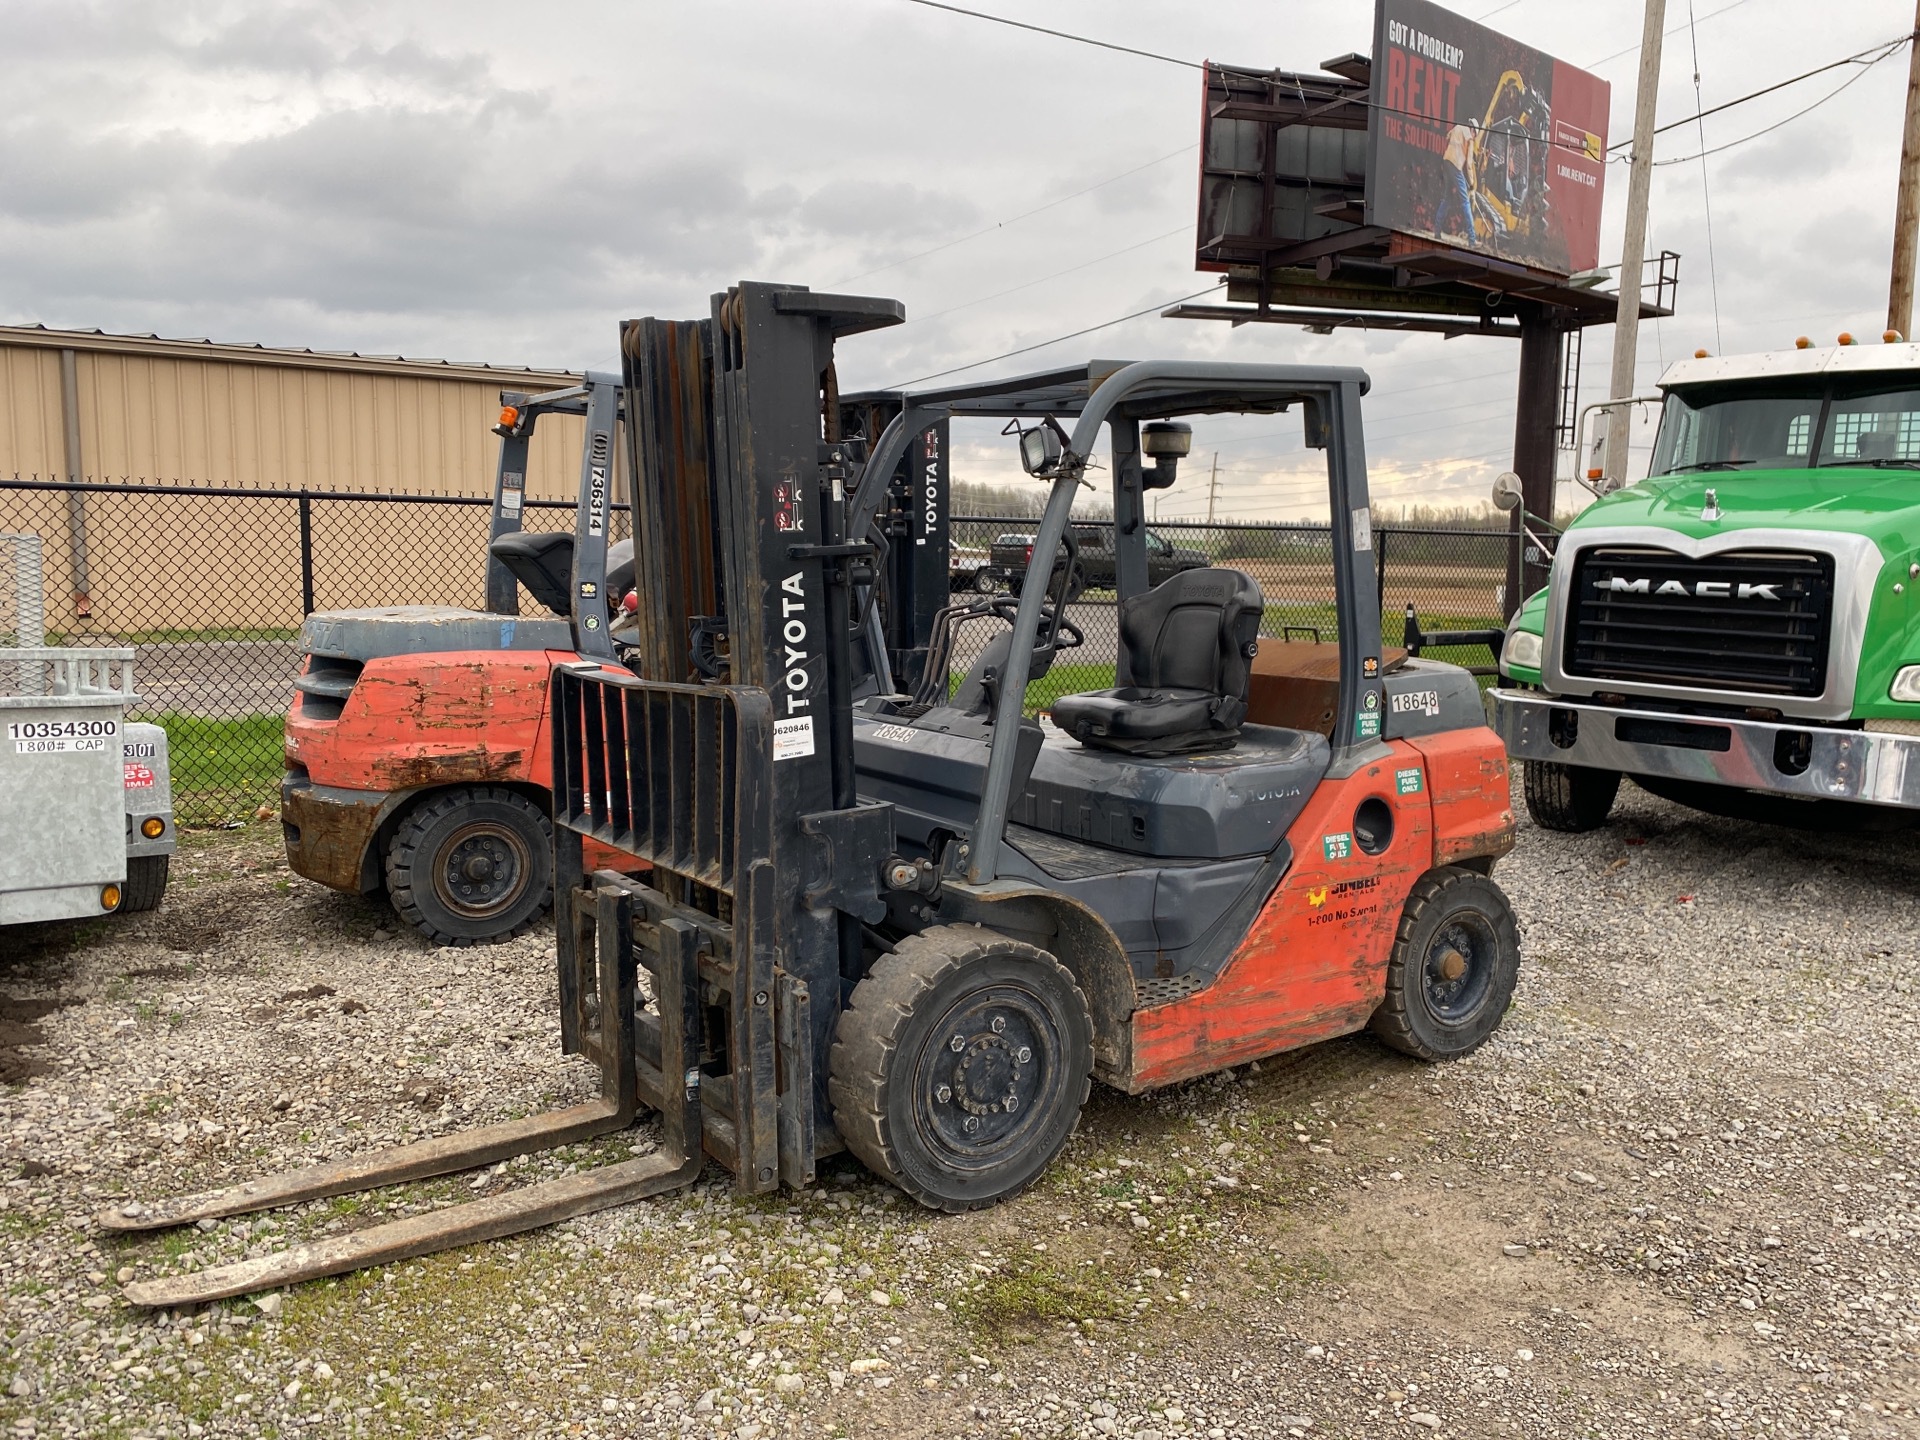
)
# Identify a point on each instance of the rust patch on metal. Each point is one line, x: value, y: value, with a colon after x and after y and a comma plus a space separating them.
x: 411, y: 771
x: 333, y: 838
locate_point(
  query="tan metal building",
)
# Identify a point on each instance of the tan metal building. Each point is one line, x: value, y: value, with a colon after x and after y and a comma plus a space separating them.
x: 137, y: 409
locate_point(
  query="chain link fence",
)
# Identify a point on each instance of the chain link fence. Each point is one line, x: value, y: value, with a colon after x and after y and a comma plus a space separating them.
x: 210, y: 584
x: 1452, y: 578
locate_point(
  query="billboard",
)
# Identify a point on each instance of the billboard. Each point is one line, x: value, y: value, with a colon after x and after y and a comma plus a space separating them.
x: 1480, y: 142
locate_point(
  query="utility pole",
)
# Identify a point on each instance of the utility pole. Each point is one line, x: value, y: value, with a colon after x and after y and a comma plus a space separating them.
x: 1906, y: 209
x: 1213, y: 486
x: 1626, y: 325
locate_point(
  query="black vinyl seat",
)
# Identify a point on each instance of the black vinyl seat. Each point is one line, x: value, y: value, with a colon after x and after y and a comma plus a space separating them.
x: 1189, y: 641
x: 543, y: 562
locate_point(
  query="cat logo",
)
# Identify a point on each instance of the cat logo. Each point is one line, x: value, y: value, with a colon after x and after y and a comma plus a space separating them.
x: 1317, y: 896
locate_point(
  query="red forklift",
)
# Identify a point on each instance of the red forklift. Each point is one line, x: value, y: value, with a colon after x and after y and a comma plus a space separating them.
x: 916, y: 925
x: 416, y: 747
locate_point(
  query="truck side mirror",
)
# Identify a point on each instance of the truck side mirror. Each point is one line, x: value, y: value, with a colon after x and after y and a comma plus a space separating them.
x: 1506, y: 490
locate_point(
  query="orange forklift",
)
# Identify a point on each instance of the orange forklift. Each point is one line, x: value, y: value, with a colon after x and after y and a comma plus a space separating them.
x: 918, y: 926
x: 416, y: 746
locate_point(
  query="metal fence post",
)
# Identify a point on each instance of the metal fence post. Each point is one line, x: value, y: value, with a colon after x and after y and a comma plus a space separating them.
x: 306, y: 552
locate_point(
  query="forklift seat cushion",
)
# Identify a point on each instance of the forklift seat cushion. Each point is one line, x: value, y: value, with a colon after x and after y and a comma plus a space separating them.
x: 541, y: 562
x: 1188, y: 643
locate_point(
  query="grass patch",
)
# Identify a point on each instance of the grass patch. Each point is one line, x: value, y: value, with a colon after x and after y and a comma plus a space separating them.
x: 222, y: 769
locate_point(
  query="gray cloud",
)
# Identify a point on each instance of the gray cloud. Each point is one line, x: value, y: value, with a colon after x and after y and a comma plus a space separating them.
x: 492, y: 183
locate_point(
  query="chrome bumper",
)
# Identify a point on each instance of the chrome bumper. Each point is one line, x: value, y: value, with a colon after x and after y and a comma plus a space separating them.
x: 1860, y: 765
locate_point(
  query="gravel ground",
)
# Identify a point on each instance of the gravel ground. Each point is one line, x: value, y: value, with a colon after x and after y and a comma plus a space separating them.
x: 1675, y: 1196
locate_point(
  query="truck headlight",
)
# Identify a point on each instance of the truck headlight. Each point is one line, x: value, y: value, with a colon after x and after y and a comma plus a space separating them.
x: 1906, y: 685
x: 1523, y: 649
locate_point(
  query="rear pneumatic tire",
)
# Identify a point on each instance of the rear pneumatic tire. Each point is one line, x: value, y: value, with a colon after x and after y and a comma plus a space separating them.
x: 1455, y: 961
x: 471, y: 865
x: 146, y: 883
x: 960, y: 1066
x: 1570, y: 798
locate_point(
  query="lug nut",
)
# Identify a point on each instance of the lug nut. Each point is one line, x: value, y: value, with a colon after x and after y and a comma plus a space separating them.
x: 1023, y: 1054
x: 972, y: 1126
x: 999, y: 1024
x: 957, y: 1044
x: 1010, y: 1102
x: 943, y: 1094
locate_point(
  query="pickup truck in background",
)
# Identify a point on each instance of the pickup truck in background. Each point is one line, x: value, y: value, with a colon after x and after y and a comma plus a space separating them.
x: 1094, y: 566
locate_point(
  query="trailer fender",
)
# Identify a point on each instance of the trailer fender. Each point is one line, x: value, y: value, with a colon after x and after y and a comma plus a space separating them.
x: 1078, y: 939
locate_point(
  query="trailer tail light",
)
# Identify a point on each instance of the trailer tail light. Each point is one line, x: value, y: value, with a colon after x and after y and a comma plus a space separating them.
x: 109, y: 897
x: 153, y: 827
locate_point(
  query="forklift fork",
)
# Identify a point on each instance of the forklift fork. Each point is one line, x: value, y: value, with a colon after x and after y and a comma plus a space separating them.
x: 604, y: 1021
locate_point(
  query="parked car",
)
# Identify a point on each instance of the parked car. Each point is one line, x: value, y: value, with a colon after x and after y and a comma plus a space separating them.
x: 1095, y: 565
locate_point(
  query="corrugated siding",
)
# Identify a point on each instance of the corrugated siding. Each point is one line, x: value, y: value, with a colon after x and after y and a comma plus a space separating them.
x: 284, y: 427
x: 30, y: 423
x: 162, y: 419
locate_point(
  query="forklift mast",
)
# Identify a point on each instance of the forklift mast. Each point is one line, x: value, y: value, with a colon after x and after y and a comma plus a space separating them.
x: 741, y: 794
x: 915, y: 526
x: 598, y: 400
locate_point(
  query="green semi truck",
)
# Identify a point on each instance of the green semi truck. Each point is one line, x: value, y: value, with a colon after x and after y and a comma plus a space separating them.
x: 1740, y: 631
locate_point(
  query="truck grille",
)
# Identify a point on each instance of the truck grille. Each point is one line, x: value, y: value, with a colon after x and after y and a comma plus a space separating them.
x: 1754, y: 621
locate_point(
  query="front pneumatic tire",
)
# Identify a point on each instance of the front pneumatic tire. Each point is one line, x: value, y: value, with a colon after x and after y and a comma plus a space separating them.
x: 961, y: 1065
x: 1570, y: 798
x: 1455, y: 962
x: 471, y: 864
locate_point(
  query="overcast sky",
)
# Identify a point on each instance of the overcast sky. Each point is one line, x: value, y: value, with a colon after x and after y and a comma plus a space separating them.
x: 503, y: 182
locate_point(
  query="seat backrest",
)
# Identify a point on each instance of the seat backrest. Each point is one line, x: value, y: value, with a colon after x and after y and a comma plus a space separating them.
x: 541, y: 561
x: 1196, y: 630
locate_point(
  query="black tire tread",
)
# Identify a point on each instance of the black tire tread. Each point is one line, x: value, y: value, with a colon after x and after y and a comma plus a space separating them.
x: 1390, y: 1023
x: 869, y: 1034
x: 146, y: 883
x: 405, y: 846
x: 1568, y: 798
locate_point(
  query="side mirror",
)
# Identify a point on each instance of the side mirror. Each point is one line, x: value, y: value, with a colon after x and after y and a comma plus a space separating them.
x: 1039, y: 450
x: 1506, y: 490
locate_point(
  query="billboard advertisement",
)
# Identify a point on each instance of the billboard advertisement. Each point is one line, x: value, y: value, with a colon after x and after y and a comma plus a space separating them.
x: 1482, y: 143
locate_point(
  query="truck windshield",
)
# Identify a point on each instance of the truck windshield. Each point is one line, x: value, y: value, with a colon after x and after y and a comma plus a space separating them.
x: 1744, y: 427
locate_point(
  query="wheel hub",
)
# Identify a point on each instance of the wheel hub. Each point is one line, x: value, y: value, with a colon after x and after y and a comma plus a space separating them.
x: 1459, y: 968
x: 983, y: 1071
x: 482, y: 870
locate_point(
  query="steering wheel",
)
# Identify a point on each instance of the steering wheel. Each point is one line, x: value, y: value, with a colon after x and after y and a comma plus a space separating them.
x: 1066, y: 634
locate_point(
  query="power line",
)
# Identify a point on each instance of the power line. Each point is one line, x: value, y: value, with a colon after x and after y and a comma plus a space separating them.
x: 1023, y: 215
x: 1060, y: 34
x: 1072, y: 335
x: 1830, y: 95
x: 1706, y: 193
x: 1000, y: 294
x: 1886, y: 48
x: 1711, y: 15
